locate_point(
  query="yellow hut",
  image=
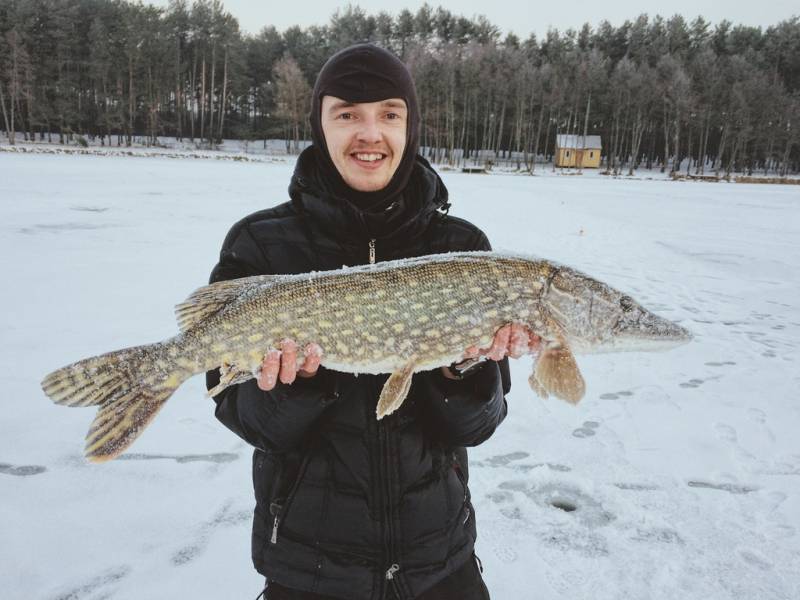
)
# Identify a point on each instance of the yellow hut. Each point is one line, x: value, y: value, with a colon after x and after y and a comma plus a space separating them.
x: 578, y: 151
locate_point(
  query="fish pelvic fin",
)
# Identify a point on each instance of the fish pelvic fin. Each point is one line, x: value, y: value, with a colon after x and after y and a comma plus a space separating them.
x: 395, y: 390
x: 556, y: 372
x: 230, y: 375
x: 129, y: 386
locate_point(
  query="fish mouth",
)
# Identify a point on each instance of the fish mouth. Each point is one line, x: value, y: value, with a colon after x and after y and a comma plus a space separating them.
x: 646, y: 331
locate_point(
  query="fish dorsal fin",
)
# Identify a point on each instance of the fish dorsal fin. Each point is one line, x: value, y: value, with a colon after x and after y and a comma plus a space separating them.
x: 208, y: 300
x: 557, y: 373
x: 395, y: 390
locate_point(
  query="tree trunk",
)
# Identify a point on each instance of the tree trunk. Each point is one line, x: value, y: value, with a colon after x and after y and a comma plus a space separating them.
x: 585, y: 129
x: 131, y: 102
x: 178, y: 100
x: 666, y: 139
x: 211, y: 91
x: 224, y: 96
x: 5, y: 116
x: 203, y: 99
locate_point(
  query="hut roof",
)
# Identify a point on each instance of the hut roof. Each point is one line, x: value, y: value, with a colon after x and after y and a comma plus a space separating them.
x: 577, y: 142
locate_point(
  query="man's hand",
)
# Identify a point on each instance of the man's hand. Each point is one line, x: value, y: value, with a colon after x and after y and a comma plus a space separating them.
x: 282, y: 364
x: 512, y: 340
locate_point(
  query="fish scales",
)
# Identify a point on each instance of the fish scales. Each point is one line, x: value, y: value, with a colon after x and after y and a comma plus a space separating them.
x: 398, y: 317
x: 371, y: 321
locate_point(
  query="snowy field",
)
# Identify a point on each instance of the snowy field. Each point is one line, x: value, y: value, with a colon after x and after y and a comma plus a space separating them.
x: 683, y: 468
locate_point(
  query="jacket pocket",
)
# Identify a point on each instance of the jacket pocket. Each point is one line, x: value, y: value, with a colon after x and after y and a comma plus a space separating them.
x: 279, y: 505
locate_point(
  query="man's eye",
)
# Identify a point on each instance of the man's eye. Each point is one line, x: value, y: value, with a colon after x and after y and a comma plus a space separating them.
x: 345, y: 116
x: 392, y: 116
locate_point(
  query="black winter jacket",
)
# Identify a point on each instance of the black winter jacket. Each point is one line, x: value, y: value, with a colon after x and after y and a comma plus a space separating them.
x: 346, y: 505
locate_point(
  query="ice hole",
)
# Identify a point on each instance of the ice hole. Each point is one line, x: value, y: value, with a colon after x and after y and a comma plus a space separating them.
x: 562, y: 504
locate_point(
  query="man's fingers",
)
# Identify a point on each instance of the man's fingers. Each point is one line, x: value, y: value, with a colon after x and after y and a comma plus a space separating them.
x: 518, y: 343
x: 313, y: 354
x: 472, y: 352
x: 288, y: 370
x: 500, y: 343
x: 268, y: 375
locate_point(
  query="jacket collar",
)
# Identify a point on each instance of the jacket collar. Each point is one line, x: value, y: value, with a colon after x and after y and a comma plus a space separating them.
x: 404, y: 219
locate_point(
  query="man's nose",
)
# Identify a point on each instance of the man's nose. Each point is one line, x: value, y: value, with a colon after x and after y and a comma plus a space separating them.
x: 369, y: 131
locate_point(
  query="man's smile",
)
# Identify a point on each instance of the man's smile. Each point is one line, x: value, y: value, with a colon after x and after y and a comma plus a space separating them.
x: 369, y: 160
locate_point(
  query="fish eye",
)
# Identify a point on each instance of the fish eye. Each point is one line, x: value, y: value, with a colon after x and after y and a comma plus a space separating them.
x: 626, y: 303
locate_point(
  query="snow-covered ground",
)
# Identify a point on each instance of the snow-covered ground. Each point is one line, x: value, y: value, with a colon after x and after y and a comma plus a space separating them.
x: 683, y: 468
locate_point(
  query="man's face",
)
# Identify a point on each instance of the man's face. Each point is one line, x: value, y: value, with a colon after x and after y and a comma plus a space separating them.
x: 365, y: 139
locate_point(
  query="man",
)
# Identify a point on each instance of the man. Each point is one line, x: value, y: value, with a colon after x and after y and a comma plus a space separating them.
x: 347, y: 506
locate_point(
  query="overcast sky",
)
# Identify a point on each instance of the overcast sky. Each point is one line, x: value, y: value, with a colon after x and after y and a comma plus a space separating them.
x: 512, y: 15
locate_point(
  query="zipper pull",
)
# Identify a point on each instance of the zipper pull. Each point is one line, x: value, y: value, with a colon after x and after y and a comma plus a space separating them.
x: 372, y: 252
x: 274, y: 538
x: 392, y: 570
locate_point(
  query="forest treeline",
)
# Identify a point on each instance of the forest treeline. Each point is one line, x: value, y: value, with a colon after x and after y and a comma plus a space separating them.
x: 658, y: 90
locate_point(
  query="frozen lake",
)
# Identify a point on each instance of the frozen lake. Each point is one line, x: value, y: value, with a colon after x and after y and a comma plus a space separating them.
x: 683, y: 468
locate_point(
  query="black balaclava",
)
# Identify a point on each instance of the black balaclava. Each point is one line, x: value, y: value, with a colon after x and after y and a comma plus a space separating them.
x: 365, y: 73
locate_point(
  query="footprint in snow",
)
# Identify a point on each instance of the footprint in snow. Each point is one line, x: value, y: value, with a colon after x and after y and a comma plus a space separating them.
x: 757, y: 560
x: 726, y: 433
x: 505, y: 554
x: 587, y: 430
x: 692, y: 383
x: 224, y: 517
x: 99, y: 583
x: 21, y: 471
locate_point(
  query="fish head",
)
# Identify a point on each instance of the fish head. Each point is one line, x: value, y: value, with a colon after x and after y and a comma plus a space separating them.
x: 594, y: 317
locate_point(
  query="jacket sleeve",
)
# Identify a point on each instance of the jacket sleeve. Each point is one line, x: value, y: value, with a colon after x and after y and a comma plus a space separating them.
x: 467, y: 411
x: 279, y: 419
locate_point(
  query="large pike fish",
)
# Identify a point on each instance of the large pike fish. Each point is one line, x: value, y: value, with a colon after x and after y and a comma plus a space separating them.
x: 396, y: 317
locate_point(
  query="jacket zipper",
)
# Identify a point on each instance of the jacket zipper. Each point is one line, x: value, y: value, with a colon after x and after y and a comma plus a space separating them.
x: 383, y: 433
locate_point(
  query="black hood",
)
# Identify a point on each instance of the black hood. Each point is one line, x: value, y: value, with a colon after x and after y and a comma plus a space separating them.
x: 365, y: 73
x: 404, y: 219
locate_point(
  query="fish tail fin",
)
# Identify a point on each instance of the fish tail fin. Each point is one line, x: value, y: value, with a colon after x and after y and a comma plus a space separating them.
x: 129, y: 386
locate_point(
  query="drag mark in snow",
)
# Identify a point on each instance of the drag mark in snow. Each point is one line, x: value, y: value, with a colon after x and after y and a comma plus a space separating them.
x: 731, y: 488
x: 616, y: 395
x: 59, y: 227
x: 94, y: 209
x: 95, y: 584
x: 637, y: 487
x: 501, y: 460
x: 755, y: 559
x: 507, y: 460
x: 23, y: 471
x: 219, y: 457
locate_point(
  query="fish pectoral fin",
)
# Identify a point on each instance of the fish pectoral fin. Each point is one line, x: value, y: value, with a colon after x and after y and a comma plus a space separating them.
x: 395, y: 390
x: 557, y: 373
x: 229, y: 375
